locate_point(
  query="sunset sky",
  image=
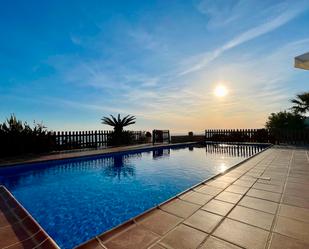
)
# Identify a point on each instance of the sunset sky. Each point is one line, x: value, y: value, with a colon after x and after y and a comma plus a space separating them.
x: 68, y: 63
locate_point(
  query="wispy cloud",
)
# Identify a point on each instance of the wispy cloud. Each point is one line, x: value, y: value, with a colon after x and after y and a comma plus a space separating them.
x: 276, y: 22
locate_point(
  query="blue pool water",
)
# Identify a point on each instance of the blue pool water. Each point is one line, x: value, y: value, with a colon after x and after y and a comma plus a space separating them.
x: 74, y: 200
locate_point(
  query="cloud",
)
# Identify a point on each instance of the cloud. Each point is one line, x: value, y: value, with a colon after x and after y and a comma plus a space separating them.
x: 276, y: 22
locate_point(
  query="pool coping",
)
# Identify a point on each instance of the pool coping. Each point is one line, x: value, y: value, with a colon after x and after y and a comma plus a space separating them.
x: 123, y: 226
x: 28, y: 215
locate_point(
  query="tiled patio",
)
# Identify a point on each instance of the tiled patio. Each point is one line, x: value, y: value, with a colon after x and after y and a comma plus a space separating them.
x: 263, y: 203
x: 18, y: 229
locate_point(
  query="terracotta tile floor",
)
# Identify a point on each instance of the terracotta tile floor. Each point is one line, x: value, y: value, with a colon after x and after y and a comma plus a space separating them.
x: 213, y: 242
x: 218, y: 207
x: 17, y: 228
x: 183, y: 237
x: 261, y: 204
x: 203, y: 220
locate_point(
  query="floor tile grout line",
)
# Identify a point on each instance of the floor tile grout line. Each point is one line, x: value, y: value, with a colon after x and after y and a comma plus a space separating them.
x: 268, y: 243
x: 241, y: 205
x: 264, y: 156
x: 20, y: 242
x: 226, y: 216
x: 41, y: 243
x: 18, y: 220
x: 235, y: 204
x: 146, y: 228
x: 247, y: 207
x: 212, y: 235
x: 20, y: 223
x: 267, y: 190
x: 139, y: 225
x: 268, y: 164
x: 100, y: 242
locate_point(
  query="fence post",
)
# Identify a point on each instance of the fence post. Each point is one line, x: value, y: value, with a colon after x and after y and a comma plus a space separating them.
x: 58, y: 140
x: 70, y: 142
x: 95, y: 138
x: 153, y: 136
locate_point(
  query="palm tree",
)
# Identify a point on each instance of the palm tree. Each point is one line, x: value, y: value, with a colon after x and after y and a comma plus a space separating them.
x: 301, y: 103
x: 118, y: 123
x: 119, y: 137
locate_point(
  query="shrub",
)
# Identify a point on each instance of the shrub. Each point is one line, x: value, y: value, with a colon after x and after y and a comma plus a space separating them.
x: 120, y: 138
x: 285, y: 120
x: 18, y: 138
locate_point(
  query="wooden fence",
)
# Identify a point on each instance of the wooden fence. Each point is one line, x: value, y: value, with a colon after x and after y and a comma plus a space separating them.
x: 88, y: 139
x: 275, y: 136
x: 18, y: 144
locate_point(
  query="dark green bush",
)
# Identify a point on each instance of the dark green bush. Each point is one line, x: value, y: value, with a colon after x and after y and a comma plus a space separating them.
x: 120, y: 138
x: 18, y: 138
x: 285, y: 120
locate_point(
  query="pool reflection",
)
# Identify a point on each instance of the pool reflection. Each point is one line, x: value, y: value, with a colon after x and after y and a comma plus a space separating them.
x: 233, y: 150
x: 120, y: 167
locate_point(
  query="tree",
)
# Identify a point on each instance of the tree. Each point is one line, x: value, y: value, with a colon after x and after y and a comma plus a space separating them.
x: 118, y: 123
x: 301, y: 103
x: 119, y: 136
x: 285, y: 120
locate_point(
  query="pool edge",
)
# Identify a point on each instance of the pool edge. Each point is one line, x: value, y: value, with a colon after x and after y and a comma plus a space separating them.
x: 28, y: 215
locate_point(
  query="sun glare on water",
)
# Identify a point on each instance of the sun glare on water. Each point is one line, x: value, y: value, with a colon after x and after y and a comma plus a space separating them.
x: 220, y: 91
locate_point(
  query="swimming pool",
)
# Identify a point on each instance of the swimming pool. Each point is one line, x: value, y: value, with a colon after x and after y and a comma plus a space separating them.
x: 76, y: 199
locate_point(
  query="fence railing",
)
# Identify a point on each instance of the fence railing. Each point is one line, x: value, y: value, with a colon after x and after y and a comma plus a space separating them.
x: 88, y: 139
x: 12, y: 144
x: 80, y: 139
x: 275, y: 136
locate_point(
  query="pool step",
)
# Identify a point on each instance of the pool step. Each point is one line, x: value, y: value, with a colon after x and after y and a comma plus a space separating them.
x: 18, y: 229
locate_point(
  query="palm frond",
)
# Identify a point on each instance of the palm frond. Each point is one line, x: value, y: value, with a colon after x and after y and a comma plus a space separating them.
x: 124, y: 120
x: 114, y: 119
x: 129, y: 121
x: 301, y: 103
x: 108, y: 121
x: 117, y: 122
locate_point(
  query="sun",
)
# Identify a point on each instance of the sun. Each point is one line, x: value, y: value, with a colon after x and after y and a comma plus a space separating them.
x: 220, y: 91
